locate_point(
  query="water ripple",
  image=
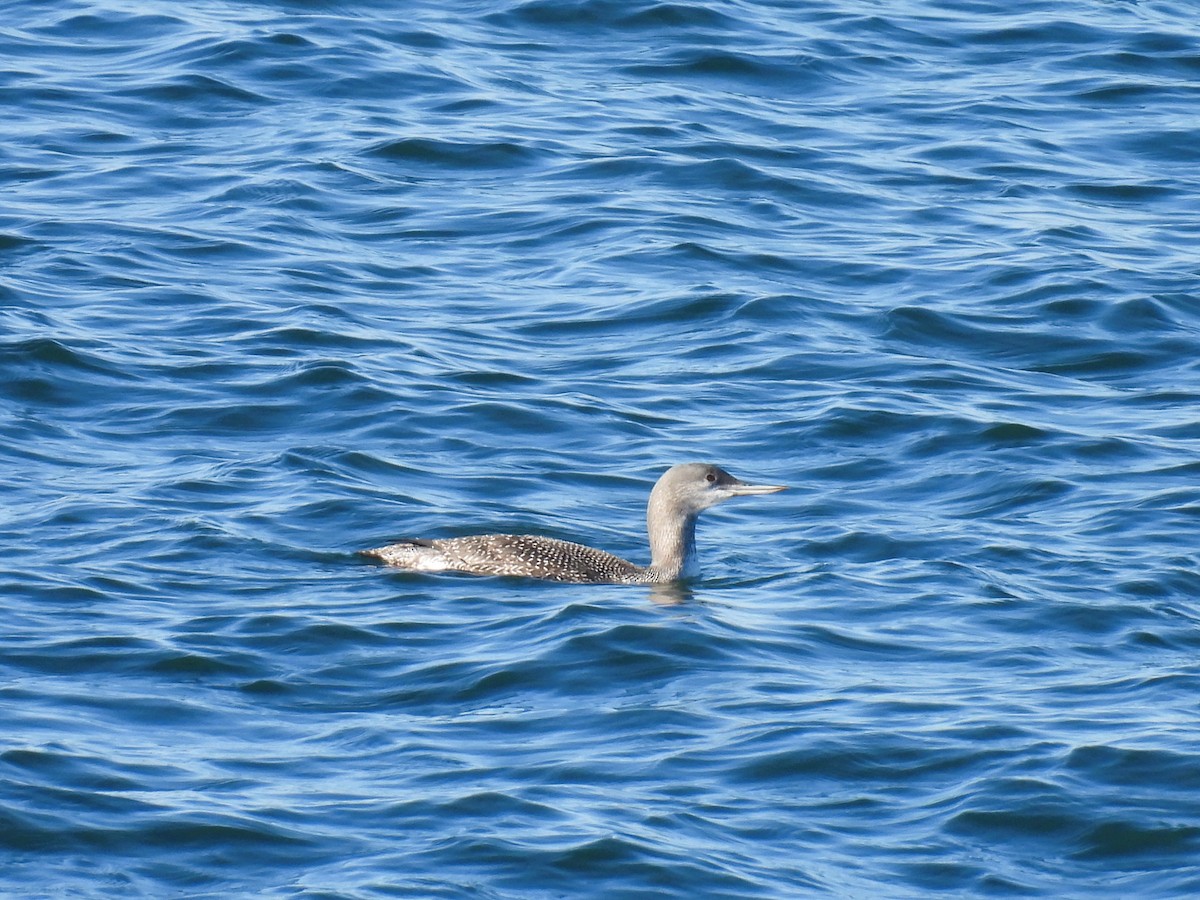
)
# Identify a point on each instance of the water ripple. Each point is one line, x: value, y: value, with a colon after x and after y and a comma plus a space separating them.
x: 284, y: 282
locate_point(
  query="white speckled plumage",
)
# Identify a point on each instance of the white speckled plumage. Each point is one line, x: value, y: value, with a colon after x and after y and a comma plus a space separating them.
x: 679, y: 496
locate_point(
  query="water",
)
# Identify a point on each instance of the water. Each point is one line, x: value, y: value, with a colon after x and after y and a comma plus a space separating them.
x: 285, y: 280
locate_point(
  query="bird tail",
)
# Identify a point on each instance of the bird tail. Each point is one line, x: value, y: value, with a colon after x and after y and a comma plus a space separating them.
x: 407, y: 554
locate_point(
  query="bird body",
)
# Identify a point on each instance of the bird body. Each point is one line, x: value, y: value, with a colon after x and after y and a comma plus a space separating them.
x: 679, y: 496
x: 528, y: 555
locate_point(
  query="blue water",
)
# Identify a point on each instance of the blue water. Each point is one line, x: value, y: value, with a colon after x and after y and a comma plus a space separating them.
x: 283, y: 280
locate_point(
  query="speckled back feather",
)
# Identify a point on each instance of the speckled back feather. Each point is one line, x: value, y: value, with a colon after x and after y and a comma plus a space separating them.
x: 531, y: 556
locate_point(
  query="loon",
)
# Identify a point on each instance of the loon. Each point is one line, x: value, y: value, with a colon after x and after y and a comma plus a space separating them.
x: 681, y: 494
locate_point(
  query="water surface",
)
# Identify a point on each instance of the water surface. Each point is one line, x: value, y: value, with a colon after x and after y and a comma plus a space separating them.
x: 282, y: 280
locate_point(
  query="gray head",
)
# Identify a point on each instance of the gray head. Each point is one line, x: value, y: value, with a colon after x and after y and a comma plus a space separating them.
x: 681, y: 494
x: 692, y: 488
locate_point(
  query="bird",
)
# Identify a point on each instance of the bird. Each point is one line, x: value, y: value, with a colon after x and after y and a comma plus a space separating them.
x: 677, y: 499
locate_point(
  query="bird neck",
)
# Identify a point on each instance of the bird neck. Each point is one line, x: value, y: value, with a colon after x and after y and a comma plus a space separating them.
x: 672, y: 539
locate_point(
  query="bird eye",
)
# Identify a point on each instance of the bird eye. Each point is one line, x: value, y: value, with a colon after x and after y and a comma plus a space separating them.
x: 710, y: 477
